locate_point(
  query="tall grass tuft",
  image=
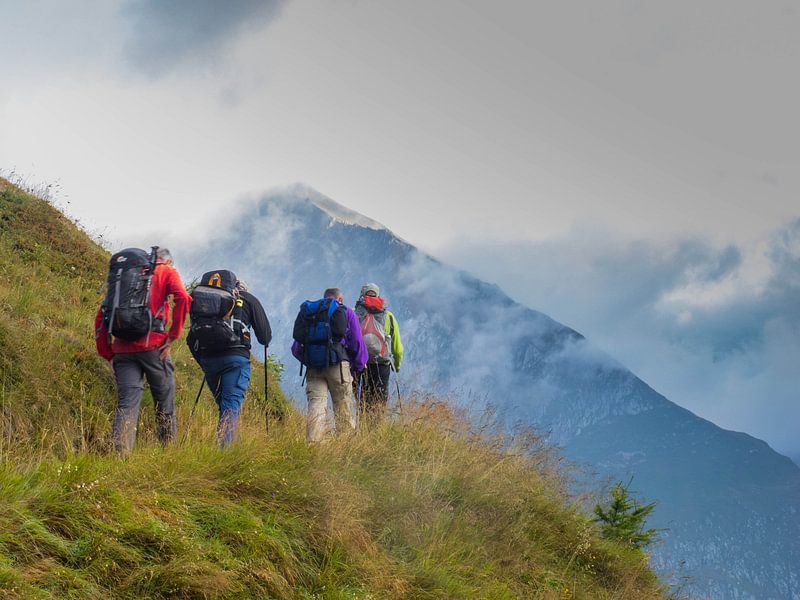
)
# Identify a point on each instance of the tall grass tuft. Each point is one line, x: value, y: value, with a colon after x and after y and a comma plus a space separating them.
x: 419, y: 506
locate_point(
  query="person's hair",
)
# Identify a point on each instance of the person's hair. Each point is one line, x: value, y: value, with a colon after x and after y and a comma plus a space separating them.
x: 241, y: 285
x: 164, y: 254
x: 333, y: 293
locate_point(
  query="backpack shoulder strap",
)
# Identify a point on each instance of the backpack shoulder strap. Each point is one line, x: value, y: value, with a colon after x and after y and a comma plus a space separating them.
x: 332, y: 308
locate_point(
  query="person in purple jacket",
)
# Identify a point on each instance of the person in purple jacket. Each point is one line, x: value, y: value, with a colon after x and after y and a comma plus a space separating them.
x: 337, y: 378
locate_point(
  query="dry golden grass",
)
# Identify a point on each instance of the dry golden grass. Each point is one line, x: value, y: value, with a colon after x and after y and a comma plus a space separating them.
x: 422, y: 505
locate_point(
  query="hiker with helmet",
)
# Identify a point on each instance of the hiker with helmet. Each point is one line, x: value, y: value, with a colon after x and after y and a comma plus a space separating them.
x: 134, y: 331
x: 223, y: 312
x: 328, y: 343
x: 382, y: 337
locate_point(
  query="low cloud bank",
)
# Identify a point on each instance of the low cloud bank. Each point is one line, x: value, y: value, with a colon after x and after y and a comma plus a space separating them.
x: 714, y: 328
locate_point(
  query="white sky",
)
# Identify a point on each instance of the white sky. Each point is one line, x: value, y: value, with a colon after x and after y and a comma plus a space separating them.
x: 441, y: 119
x: 472, y: 123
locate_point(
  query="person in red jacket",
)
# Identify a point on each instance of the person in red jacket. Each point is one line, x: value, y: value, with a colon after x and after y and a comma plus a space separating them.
x: 147, y: 357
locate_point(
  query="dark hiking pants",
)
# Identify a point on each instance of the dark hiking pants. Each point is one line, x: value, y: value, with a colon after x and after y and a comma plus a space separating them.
x: 376, y: 388
x: 130, y: 371
x: 228, y: 377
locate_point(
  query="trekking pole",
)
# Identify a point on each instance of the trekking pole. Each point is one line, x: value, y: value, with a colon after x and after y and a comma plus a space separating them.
x: 397, y: 385
x: 399, y: 401
x: 360, y: 394
x: 266, y: 390
x: 194, y: 408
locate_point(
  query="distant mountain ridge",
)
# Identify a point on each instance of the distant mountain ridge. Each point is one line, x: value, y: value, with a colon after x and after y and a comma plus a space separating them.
x: 732, y: 504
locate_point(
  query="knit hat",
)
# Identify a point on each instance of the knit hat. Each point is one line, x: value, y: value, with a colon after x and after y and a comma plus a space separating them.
x: 370, y: 287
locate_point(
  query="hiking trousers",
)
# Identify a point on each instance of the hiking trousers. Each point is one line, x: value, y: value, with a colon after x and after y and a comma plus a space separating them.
x: 228, y: 378
x: 337, y: 380
x: 130, y: 371
x: 376, y: 387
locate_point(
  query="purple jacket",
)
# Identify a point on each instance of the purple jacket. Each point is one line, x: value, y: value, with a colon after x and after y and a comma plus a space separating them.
x: 353, y: 343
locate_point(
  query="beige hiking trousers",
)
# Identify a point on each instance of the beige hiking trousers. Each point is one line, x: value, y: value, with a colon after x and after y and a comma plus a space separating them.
x: 337, y: 380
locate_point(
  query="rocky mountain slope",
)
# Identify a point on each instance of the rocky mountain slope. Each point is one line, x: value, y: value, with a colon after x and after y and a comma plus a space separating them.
x: 731, y: 504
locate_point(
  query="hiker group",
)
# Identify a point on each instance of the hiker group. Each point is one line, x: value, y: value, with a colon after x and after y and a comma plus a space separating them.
x: 346, y: 353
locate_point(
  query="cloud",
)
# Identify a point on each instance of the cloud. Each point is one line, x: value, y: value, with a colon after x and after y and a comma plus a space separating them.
x: 714, y: 328
x: 169, y: 33
x: 51, y: 41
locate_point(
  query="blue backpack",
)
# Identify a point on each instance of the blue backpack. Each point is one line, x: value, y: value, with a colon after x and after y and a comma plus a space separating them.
x: 314, y: 333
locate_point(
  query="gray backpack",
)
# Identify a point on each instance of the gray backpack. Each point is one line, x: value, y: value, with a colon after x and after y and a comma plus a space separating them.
x: 373, y: 329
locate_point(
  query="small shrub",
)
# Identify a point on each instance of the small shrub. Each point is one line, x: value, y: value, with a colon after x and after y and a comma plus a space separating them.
x: 624, y: 520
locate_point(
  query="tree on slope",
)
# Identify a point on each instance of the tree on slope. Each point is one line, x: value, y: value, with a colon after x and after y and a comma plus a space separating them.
x: 624, y: 520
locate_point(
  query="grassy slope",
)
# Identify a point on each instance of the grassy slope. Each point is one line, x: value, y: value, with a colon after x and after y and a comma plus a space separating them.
x: 420, y: 507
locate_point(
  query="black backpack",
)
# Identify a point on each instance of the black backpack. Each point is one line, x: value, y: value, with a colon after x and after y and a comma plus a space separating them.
x: 126, y: 309
x: 213, y: 311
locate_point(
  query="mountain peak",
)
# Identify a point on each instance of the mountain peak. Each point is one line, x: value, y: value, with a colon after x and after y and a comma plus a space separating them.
x: 333, y: 209
x: 718, y: 491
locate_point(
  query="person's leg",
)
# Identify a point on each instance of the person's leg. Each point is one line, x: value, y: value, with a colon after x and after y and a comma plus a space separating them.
x: 369, y: 386
x: 382, y: 387
x: 213, y: 380
x: 317, y: 393
x: 342, y: 396
x: 234, y: 380
x: 211, y: 371
x: 213, y: 368
x: 161, y: 377
x: 130, y: 386
x: 375, y: 392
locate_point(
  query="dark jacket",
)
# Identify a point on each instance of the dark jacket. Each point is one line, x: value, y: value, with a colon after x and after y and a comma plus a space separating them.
x: 250, y: 315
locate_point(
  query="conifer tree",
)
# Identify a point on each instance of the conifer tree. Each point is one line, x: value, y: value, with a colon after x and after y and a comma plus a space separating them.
x: 624, y: 521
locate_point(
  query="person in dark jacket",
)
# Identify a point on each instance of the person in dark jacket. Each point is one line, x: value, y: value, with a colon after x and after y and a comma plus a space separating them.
x: 227, y: 368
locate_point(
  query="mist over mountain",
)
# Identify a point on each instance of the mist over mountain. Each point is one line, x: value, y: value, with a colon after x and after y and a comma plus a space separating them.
x: 713, y: 325
x: 731, y: 504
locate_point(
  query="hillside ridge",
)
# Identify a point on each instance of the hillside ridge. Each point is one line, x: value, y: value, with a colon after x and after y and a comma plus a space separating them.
x: 718, y: 490
x: 424, y: 506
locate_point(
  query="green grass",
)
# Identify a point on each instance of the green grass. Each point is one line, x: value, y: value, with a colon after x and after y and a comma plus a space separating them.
x: 422, y: 506
x: 419, y: 507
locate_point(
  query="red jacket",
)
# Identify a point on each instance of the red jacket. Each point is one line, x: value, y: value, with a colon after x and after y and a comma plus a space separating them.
x: 166, y: 282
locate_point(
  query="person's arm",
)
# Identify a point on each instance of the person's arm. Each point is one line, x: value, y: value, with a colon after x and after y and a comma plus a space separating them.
x: 298, y: 333
x: 356, y: 348
x: 297, y: 350
x: 258, y: 319
x: 397, y: 344
x: 174, y: 287
x: 101, y: 336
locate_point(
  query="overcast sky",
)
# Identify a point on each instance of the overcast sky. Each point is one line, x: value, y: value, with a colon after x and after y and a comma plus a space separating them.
x: 634, y: 145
